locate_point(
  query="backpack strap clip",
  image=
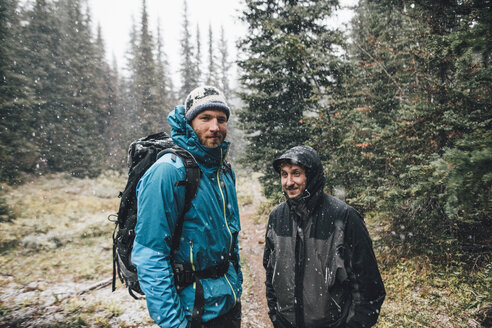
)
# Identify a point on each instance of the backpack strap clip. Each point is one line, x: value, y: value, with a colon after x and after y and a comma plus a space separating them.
x: 185, y: 276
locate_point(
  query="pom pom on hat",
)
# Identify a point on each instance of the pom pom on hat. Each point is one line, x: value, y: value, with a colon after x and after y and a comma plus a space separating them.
x: 203, y: 98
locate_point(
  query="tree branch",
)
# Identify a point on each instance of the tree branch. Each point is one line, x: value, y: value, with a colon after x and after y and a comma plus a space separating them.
x: 382, y: 66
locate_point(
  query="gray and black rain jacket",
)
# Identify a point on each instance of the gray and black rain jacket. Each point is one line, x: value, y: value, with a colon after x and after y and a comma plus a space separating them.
x: 320, y: 266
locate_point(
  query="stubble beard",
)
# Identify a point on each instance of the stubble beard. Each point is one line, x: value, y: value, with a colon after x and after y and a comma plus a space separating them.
x: 207, y: 142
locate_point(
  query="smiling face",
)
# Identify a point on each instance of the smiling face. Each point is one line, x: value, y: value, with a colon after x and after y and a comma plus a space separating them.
x: 293, y: 179
x: 211, y: 127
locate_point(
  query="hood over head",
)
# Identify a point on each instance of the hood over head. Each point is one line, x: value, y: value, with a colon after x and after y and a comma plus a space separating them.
x: 308, y: 158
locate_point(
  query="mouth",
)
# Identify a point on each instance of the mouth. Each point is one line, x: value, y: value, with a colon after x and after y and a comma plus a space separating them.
x: 292, y: 191
x: 214, y: 138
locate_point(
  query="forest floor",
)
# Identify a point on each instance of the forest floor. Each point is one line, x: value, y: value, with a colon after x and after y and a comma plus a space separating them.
x: 55, y: 257
x: 56, y: 267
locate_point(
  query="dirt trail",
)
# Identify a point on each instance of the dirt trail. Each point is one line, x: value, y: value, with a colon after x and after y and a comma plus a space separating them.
x: 251, y: 243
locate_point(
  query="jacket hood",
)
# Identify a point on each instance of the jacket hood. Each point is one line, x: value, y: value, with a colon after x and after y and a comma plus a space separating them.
x: 308, y: 158
x: 184, y: 136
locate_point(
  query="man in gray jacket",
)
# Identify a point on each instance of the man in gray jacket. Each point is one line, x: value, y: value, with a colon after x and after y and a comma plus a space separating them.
x: 320, y: 266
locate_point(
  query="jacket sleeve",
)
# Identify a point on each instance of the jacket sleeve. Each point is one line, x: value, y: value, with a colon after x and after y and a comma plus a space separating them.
x: 239, y: 271
x: 366, y: 285
x: 235, y: 256
x: 270, y: 292
x: 158, y: 203
x: 238, y: 255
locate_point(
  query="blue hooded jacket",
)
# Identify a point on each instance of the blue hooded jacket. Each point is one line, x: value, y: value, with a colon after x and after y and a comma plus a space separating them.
x: 210, y: 230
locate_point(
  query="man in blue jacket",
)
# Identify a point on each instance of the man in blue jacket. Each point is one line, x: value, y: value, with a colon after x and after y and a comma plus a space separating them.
x: 208, y: 251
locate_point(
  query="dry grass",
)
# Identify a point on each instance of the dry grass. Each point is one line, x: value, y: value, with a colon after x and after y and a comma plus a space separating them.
x: 61, y: 228
x: 424, y: 292
x: 60, y: 243
x: 245, y: 195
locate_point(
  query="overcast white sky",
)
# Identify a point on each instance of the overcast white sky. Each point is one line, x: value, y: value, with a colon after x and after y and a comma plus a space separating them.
x: 115, y: 18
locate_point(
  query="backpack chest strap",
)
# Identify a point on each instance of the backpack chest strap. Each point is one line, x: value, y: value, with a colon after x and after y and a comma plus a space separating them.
x: 185, y: 276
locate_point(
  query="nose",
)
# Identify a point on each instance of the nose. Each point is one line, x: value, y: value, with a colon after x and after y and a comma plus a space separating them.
x: 214, y: 125
x: 289, y: 181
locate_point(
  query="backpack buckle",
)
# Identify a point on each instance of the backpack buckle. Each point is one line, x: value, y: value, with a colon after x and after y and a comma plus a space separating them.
x: 182, y: 276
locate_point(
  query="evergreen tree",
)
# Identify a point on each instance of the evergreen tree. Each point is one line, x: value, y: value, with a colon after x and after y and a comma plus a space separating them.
x: 224, y: 65
x: 42, y: 61
x: 188, y: 69
x: 164, y: 81
x: 357, y: 126
x: 80, y: 149
x: 66, y: 74
x: 18, y: 151
x: 128, y: 87
x: 198, y: 57
x: 447, y: 125
x: 145, y: 81
x: 411, y: 136
x: 290, y: 64
x: 109, y: 79
x: 131, y: 53
x: 212, y: 66
x: 119, y: 128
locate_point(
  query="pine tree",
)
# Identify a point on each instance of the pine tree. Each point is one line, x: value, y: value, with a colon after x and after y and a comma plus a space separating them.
x: 145, y: 80
x: 164, y: 81
x: 411, y: 137
x: 290, y: 63
x: 107, y: 111
x: 448, y: 120
x: 119, y: 127
x: 18, y: 152
x: 224, y: 65
x: 125, y: 120
x: 42, y: 61
x: 212, y: 66
x: 198, y: 57
x: 357, y: 126
x: 128, y: 87
x: 80, y: 149
x: 188, y: 69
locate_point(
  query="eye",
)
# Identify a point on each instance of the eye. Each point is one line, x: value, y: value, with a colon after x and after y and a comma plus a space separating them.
x: 221, y: 120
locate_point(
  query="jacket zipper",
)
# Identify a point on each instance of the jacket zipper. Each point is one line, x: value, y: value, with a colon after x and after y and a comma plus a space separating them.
x: 191, y: 261
x: 225, y: 220
x: 299, y: 275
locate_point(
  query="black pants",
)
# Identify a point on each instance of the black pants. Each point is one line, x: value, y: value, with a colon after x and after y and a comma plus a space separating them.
x: 231, y: 319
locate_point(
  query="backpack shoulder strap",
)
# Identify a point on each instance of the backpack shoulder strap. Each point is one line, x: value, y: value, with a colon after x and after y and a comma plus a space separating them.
x: 191, y: 183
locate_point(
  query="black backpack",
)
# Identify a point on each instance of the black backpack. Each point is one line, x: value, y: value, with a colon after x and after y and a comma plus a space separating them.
x: 141, y: 155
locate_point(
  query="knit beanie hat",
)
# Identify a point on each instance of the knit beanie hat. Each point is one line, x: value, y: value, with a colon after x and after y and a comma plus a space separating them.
x: 203, y: 98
